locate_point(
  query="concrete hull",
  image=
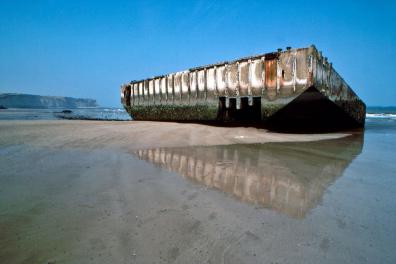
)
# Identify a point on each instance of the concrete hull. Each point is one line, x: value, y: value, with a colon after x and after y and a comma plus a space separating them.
x: 280, y: 89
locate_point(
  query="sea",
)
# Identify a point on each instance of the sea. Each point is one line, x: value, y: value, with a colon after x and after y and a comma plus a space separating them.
x: 86, y: 113
x: 375, y: 114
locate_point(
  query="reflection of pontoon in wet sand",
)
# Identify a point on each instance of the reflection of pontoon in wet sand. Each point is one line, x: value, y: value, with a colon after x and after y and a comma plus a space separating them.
x: 297, y: 87
x: 290, y: 178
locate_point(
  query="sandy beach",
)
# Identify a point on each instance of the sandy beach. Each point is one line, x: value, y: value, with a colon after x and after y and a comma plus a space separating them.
x: 138, y: 134
x: 147, y: 192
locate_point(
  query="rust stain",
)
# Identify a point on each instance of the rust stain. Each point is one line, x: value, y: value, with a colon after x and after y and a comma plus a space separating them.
x: 270, y: 74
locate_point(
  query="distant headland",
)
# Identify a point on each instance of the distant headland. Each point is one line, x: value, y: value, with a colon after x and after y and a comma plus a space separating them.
x: 17, y: 100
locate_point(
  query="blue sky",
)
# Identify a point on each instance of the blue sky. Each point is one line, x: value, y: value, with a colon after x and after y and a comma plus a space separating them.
x: 88, y: 48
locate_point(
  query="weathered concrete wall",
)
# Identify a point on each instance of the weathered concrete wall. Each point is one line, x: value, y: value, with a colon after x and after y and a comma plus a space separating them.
x: 276, y: 78
x: 287, y: 74
x: 332, y: 85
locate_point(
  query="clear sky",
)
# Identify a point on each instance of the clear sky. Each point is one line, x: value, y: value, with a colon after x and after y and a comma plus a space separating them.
x: 88, y: 48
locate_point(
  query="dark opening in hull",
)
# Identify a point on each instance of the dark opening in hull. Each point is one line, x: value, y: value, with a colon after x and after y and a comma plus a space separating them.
x: 311, y: 112
x: 244, y: 113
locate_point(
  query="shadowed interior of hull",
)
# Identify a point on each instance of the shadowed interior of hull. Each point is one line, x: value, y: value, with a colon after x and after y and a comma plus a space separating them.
x: 311, y: 112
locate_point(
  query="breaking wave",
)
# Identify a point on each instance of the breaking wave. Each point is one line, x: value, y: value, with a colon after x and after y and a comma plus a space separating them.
x: 109, y: 114
x: 381, y: 116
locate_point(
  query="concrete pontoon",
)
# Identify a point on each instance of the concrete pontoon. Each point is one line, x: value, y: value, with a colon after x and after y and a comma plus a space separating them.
x: 296, y: 88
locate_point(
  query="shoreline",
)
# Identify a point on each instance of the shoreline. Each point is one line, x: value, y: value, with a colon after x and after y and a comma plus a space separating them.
x: 132, y: 135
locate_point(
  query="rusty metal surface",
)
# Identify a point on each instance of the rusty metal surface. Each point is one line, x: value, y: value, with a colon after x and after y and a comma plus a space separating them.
x: 276, y: 78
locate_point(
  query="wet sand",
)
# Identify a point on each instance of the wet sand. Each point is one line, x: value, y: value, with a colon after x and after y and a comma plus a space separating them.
x: 137, y: 134
x: 145, y: 192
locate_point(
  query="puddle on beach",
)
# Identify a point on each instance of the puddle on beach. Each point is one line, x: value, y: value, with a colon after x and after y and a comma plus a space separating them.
x: 290, y: 178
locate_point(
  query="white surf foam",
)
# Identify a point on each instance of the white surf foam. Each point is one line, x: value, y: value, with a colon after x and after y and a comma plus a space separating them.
x: 381, y: 116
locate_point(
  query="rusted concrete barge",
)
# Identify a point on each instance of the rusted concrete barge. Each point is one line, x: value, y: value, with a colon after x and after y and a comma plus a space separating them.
x: 295, y: 88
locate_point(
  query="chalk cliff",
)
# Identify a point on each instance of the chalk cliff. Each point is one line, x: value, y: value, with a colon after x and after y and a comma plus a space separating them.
x: 15, y: 100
